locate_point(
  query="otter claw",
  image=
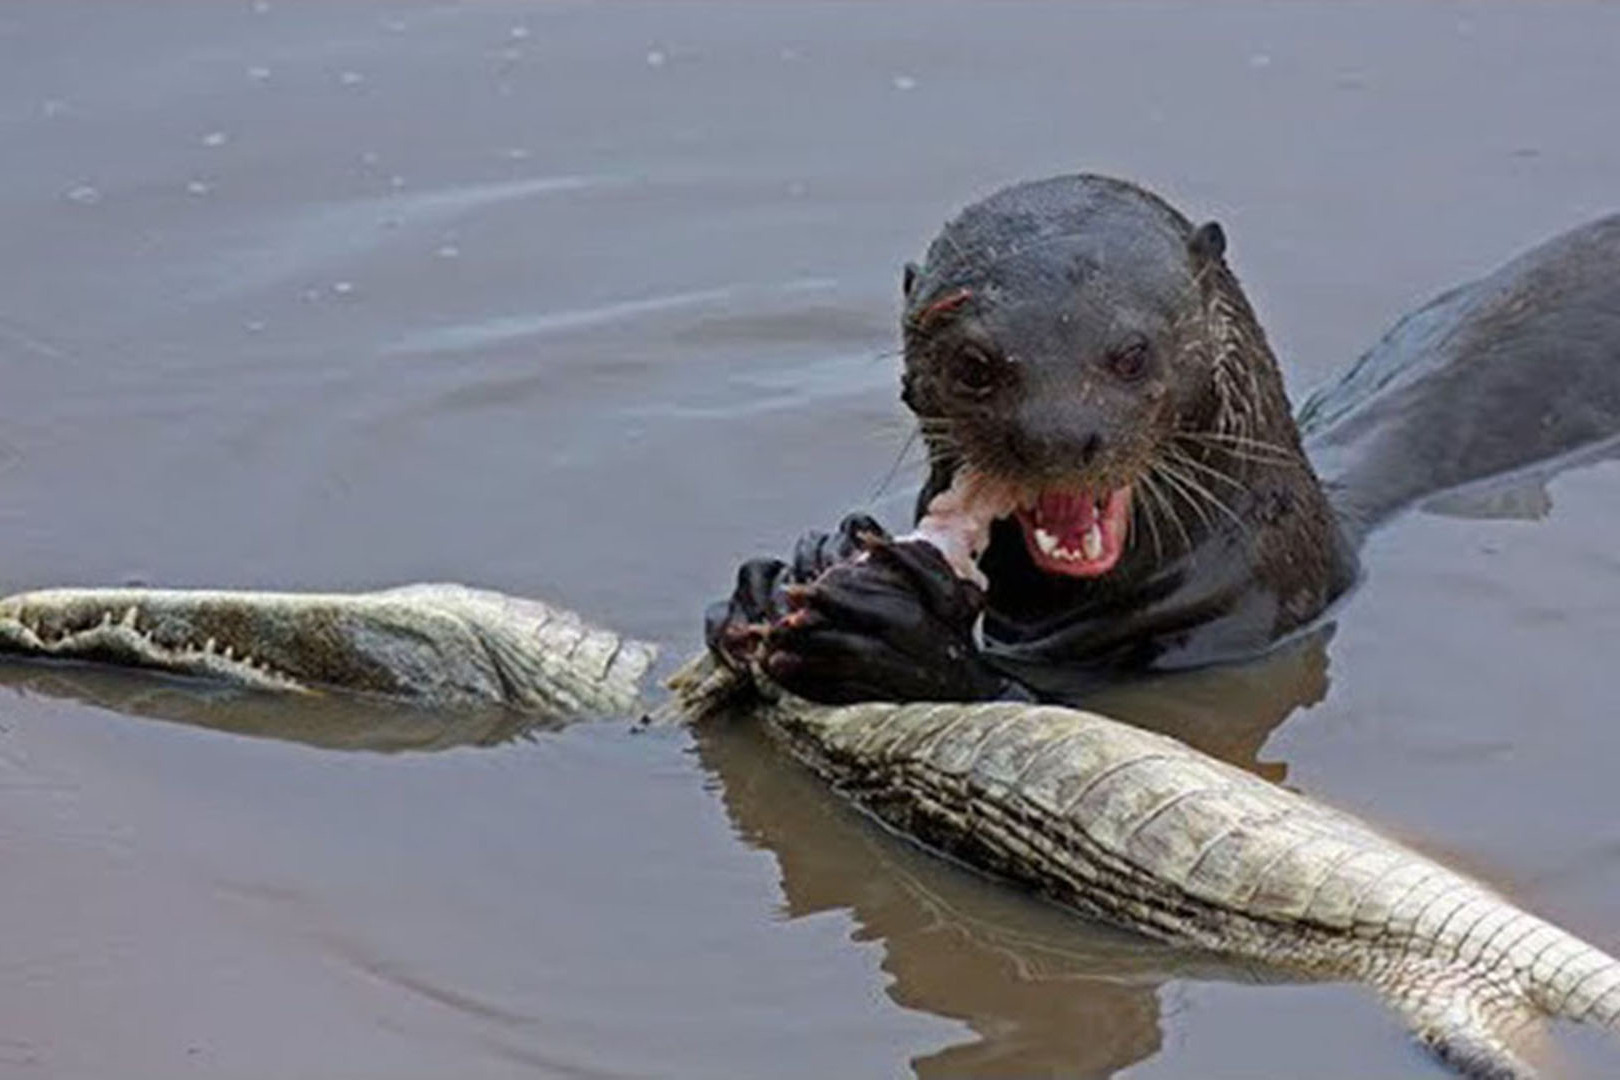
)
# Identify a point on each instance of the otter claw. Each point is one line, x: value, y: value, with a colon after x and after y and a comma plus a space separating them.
x: 744, y: 639
x: 797, y: 597
x: 868, y: 539
x: 795, y: 620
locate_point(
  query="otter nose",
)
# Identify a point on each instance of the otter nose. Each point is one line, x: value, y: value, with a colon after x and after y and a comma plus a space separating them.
x: 1055, y: 439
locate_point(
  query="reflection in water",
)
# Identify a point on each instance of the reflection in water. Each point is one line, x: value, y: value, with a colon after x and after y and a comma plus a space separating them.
x: 330, y: 722
x: 1520, y: 495
x: 1228, y: 711
x: 1046, y: 993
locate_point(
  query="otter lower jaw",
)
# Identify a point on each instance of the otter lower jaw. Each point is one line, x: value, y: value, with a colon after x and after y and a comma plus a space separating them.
x: 1077, y: 533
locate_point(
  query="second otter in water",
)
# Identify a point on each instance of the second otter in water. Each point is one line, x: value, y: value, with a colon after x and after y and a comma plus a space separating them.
x: 1080, y: 343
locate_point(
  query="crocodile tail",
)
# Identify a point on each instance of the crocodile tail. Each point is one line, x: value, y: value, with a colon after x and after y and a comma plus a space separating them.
x: 1571, y: 980
x: 1476, y: 1031
x: 1482, y: 1007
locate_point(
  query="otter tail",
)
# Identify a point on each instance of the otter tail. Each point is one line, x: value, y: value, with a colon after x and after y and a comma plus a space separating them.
x: 1514, y: 375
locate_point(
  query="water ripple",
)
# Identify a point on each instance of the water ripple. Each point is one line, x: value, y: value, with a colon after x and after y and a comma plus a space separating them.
x: 507, y: 329
x: 293, y: 246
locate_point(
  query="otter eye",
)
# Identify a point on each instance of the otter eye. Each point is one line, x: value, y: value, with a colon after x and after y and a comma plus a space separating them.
x: 1130, y: 361
x: 974, y: 371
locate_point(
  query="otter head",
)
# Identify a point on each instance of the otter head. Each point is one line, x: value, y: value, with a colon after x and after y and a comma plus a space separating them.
x: 1058, y: 339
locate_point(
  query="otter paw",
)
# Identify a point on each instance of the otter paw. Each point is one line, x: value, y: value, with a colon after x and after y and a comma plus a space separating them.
x: 735, y: 628
x: 895, y: 626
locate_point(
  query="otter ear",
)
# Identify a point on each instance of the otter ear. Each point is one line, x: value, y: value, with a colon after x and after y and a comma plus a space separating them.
x: 908, y: 278
x: 1208, y: 242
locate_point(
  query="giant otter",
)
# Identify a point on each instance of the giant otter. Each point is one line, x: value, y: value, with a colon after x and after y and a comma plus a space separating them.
x: 1080, y: 342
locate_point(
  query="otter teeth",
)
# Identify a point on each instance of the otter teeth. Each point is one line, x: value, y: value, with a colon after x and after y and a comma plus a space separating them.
x: 1091, y: 545
x: 1092, y: 542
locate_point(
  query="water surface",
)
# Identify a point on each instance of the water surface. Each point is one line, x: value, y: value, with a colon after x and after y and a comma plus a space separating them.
x: 589, y: 303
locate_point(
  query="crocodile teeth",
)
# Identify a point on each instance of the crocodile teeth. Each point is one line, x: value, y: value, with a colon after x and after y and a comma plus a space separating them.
x: 129, y: 617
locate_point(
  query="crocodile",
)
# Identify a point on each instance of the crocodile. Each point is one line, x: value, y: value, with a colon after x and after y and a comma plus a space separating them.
x: 1109, y: 820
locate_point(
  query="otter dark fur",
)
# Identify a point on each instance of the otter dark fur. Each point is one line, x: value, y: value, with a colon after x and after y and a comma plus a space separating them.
x: 1078, y: 335
x: 1232, y: 541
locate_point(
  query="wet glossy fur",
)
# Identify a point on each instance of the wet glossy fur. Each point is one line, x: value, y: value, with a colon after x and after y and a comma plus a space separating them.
x: 1233, y: 544
x: 1241, y: 533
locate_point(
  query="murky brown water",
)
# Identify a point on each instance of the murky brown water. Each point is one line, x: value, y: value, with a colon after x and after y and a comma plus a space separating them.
x: 589, y: 303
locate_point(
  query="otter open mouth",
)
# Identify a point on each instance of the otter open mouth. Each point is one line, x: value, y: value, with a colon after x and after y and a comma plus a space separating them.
x: 1078, y: 533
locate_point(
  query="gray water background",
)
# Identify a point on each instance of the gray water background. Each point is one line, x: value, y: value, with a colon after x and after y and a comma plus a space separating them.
x: 590, y: 302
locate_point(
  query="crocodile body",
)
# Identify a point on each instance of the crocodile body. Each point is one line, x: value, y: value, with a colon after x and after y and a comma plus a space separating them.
x: 1142, y: 831
x: 1117, y: 823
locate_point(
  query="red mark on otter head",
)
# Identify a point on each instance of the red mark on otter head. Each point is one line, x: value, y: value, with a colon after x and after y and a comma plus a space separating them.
x: 943, y: 306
